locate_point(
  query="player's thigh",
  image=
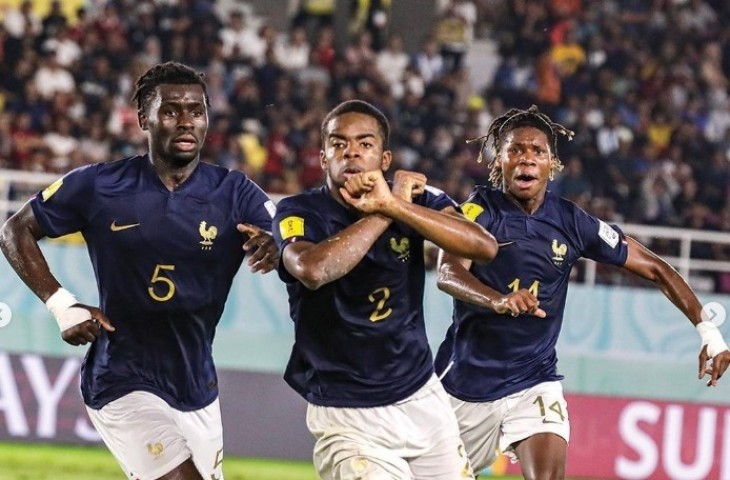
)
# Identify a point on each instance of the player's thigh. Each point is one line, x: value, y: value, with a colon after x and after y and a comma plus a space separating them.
x: 436, y: 449
x: 480, y: 426
x: 142, y: 433
x: 536, y: 410
x: 542, y: 455
x: 203, y: 431
x: 353, y: 443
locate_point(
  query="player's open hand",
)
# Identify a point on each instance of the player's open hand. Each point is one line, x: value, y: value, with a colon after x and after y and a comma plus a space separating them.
x: 714, y: 367
x: 407, y: 184
x: 264, y: 256
x: 89, y: 330
x: 368, y: 192
x: 519, y: 302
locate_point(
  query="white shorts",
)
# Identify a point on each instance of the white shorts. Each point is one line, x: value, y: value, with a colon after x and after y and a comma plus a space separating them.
x: 489, y: 427
x: 415, y: 438
x: 149, y: 438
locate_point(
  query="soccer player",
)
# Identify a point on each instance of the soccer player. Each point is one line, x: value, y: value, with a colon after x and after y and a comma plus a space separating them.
x: 164, y: 233
x: 500, y: 371
x: 353, y: 261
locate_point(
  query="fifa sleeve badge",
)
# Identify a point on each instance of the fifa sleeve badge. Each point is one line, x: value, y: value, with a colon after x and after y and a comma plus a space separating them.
x: 291, y: 227
x: 608, y: 234
x: 51, y: 189
x: 471, y: 210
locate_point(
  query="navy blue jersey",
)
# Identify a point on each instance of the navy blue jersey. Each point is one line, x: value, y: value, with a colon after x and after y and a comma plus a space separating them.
x: 360, y: 341
x: 164, y: 263
x: 489, y: 355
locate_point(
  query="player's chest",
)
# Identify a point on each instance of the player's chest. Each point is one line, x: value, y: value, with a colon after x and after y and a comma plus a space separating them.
x: 166, y: 224
x: 529, y: 247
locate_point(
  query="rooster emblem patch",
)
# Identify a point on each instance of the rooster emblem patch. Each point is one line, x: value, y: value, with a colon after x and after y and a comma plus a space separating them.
x: 559, y: 251
x: 402, y: 248
x: 208, y: 234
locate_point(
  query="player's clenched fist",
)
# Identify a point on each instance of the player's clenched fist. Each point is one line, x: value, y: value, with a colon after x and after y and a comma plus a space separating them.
x: 407, y: 184
x: 368, y: 192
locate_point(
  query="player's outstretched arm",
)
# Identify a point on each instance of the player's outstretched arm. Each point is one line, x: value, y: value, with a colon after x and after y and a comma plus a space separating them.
x: 455, y: 279
x: 19, y: 237
x: 260, y: 244
x: 643, y: 262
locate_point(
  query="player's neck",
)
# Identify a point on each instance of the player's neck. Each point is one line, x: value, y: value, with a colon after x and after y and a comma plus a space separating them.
x: 173, y: 175
x: 530, y: 205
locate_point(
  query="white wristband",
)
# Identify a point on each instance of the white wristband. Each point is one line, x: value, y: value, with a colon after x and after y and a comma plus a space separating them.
x: 60, y: 304
x: 711, y: 337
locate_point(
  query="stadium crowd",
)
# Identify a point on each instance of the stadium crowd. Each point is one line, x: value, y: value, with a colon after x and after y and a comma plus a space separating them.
x: 643, y: 83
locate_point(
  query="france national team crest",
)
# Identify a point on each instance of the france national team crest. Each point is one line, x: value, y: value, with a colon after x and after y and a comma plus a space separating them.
x: 208, y: 234
x: 402, y: 247
x: 559, y: 252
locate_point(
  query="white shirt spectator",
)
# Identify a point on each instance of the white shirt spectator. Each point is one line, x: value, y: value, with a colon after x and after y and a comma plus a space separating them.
x: 236, y: 36
x: 293, y: 55
x: 51, y: 78
x: 392, y: 61
x: 67, y: 50
x: 21, y: 22
x: 428, y: 61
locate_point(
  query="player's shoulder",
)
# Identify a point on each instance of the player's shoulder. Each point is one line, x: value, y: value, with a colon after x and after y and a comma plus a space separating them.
x: 111, y: 172
x: 218, y: 174
x: 313, y: 198
x: 561, y: 207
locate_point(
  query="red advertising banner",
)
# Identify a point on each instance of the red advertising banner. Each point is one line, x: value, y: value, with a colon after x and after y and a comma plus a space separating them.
x: 611, y: 437
x: 624, y: 438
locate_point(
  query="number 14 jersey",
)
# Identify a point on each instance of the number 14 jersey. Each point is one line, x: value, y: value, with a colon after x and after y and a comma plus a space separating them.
x: 486, y: 355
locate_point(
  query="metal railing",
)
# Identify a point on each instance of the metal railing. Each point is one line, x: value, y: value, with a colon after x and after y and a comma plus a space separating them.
x: 16, y: 187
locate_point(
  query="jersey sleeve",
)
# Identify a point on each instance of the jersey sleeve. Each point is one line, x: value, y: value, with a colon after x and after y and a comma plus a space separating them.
x: 436, y: 199
x: 601, y: 242
x: 295, y: 222
x: 256, y: 207
x: 65, y: 206
x: 475, y: 210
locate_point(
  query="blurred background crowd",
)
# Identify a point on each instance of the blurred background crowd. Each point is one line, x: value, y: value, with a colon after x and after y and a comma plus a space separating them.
x: 643, y: 83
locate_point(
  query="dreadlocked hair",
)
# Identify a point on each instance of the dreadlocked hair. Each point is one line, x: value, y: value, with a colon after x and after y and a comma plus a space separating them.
x: 515, y: 118
x: 173, y: 73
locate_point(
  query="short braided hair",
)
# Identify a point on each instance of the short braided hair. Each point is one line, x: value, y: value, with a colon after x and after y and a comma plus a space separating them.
x: 516, y: 118
x: 165, y: 73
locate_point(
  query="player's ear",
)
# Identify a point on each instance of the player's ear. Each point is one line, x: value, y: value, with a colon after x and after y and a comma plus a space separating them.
x: 142, y: 120
x: 322, y: 160
x: 387, y: 159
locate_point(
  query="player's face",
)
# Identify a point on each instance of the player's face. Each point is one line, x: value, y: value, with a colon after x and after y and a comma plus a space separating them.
x: 177, y: 121
x: 526, y: 161
x: 353, y: 144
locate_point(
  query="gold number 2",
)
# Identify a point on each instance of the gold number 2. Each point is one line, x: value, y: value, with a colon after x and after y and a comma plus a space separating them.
x: 380, y: 312
x: 157, y: 277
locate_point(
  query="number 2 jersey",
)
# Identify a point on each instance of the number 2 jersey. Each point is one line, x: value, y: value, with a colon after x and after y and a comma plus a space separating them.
x: 164, y: 264
x: 360, y: 341
x: 485, y: 355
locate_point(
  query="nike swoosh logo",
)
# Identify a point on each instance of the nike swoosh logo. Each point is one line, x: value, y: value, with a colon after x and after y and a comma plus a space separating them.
x: 550, y: 421
x: 118, y: 228
x: 504, y: 244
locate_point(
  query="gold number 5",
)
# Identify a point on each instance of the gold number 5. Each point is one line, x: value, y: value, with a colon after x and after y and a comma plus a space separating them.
x: 380, y: 314
x: 156, y: 278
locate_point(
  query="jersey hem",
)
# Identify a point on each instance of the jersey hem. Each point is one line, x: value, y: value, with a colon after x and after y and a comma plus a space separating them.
x: 504, y: 392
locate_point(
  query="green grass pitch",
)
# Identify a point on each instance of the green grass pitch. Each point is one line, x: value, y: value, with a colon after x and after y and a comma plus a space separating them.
x: 31, y: 461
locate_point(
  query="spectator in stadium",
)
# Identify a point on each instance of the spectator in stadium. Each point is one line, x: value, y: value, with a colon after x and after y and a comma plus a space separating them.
x: 353, y: 261
x: 164, y: 233
x: 501, y: 373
